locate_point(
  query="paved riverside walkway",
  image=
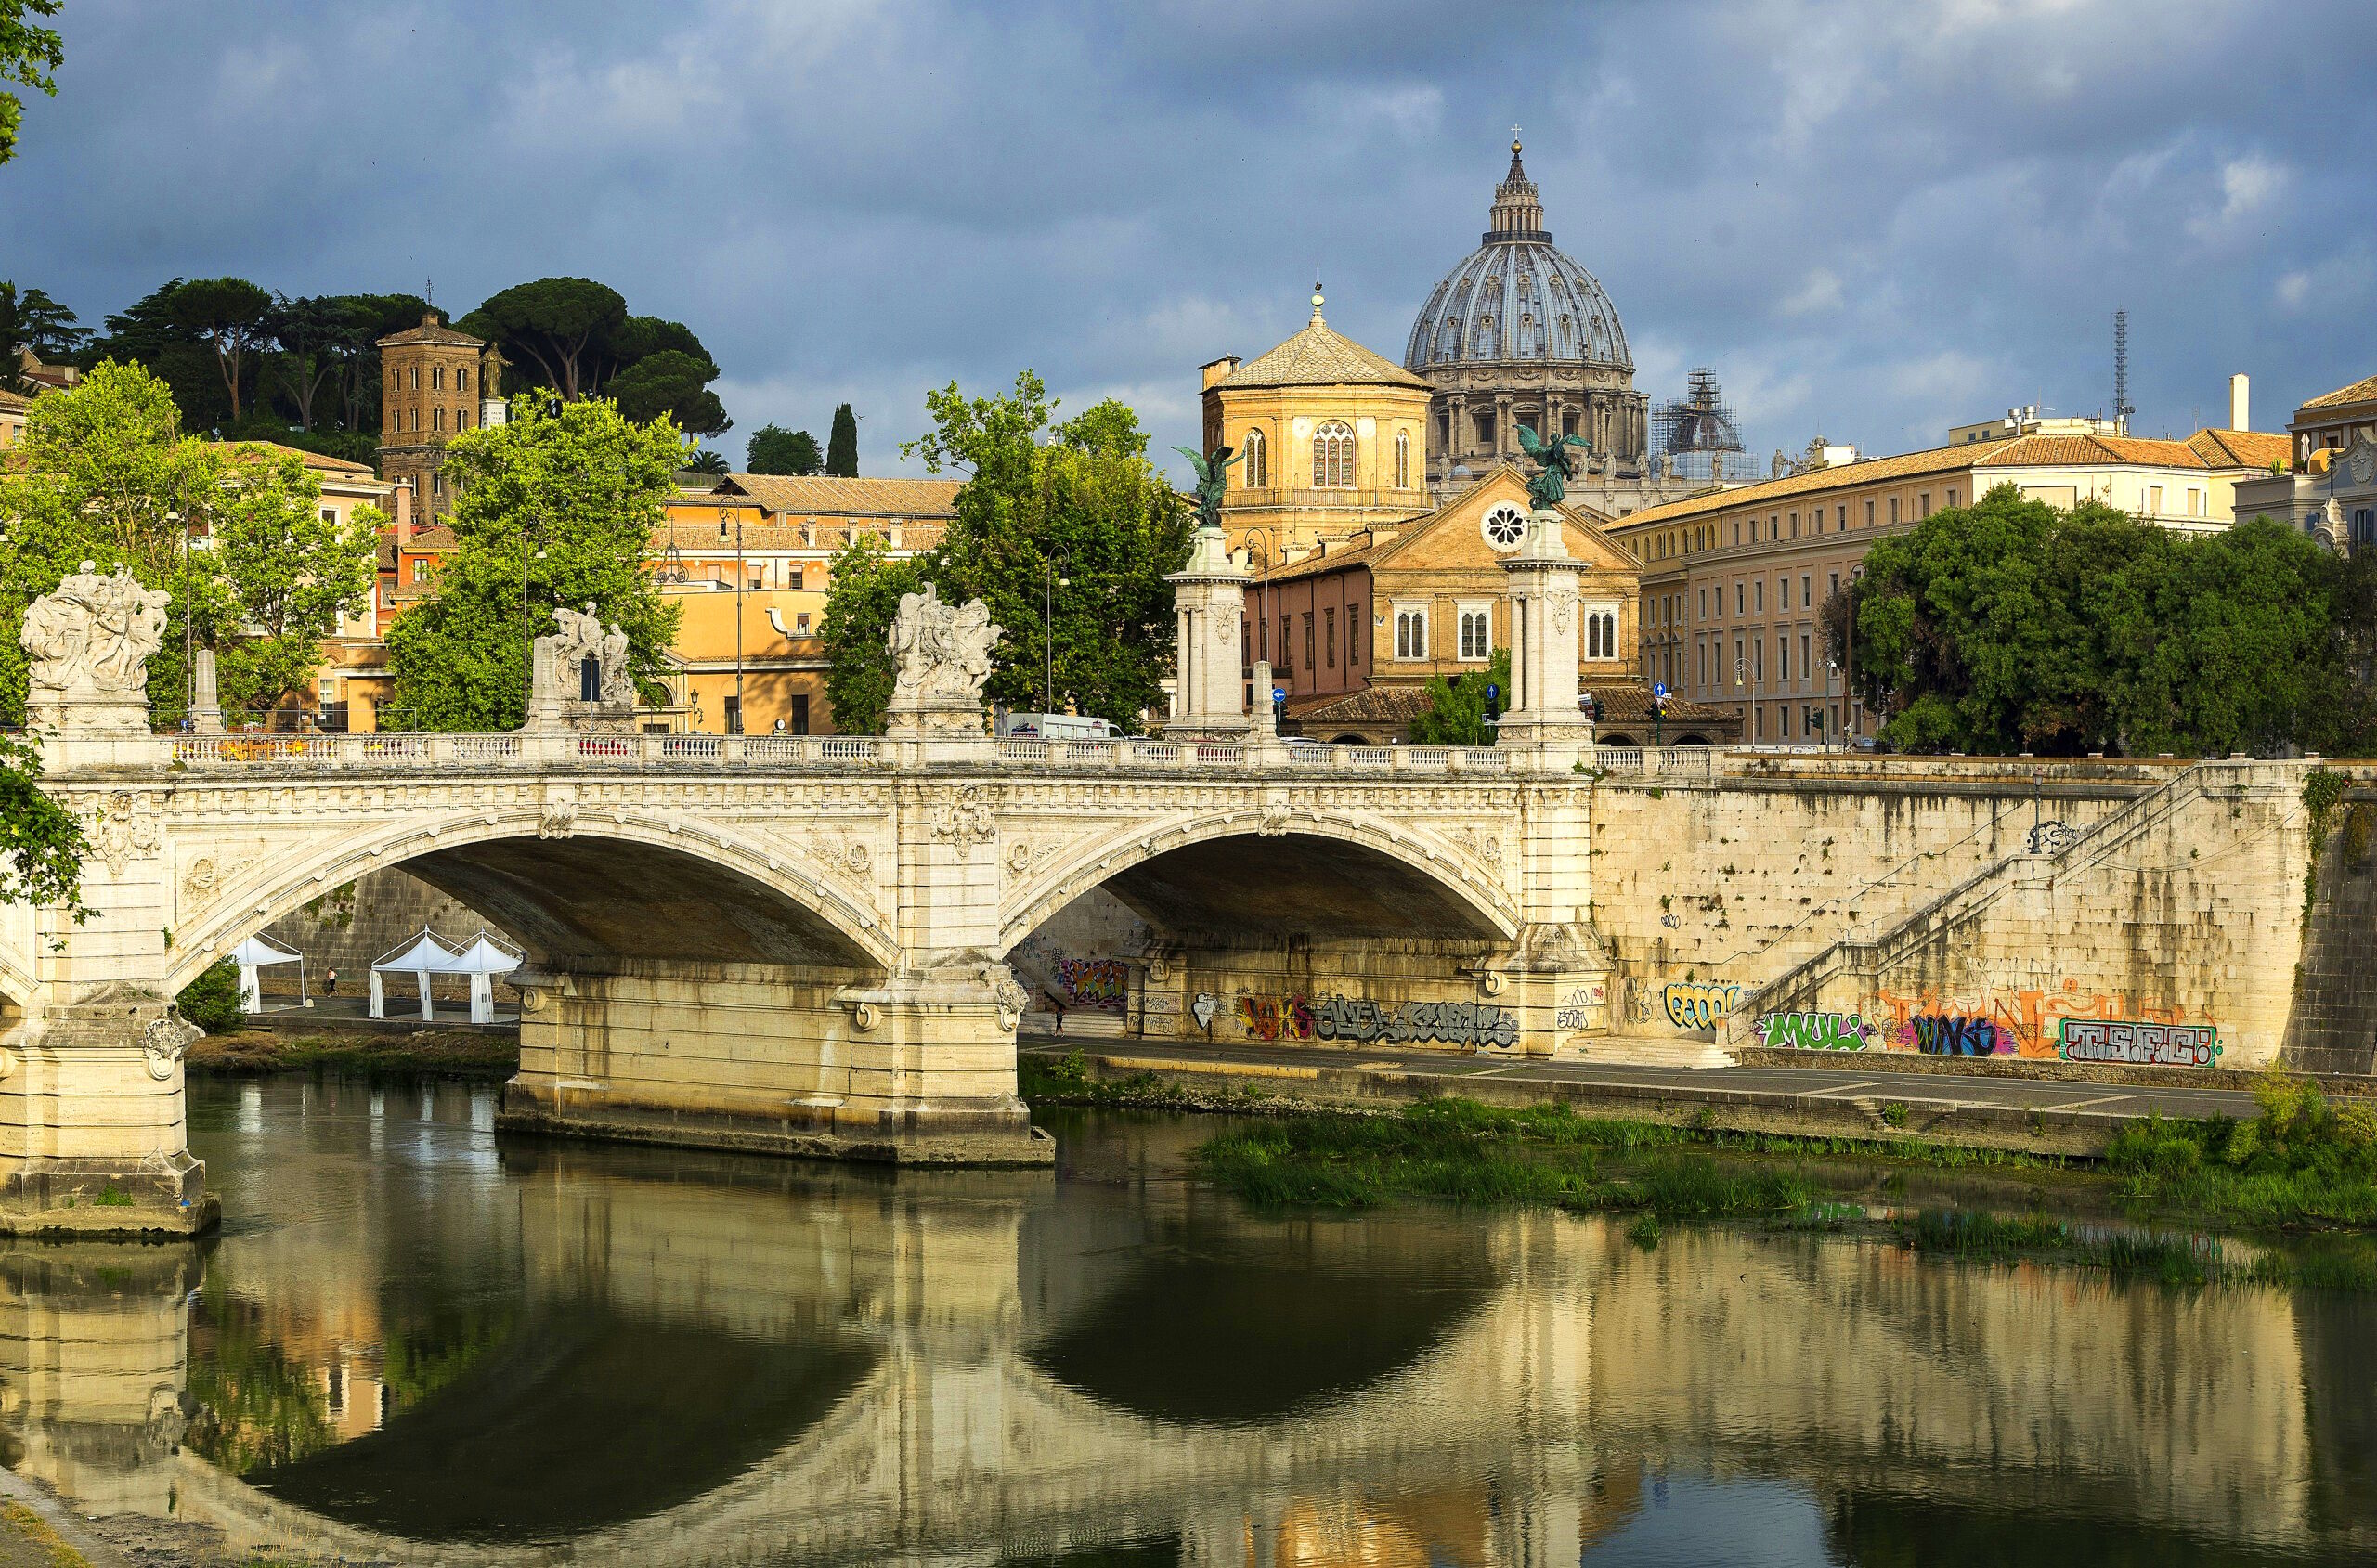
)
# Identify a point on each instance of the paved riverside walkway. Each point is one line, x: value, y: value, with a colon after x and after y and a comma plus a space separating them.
x: 2046, y: 1115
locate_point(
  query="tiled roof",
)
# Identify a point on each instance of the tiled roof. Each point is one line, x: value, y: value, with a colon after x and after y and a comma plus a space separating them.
x: 1395, y: 702
x: 703, y: 537
x: 1318, y: 356
x: 2019, y: 451
x: 1626, y: 700
x: 816, y: 495
x: 320, y: 461
x: 2241, y: 449
x: 16, y: 401
x: 1338, y: 557
x: 2361, y: 391
x: 429, y: 332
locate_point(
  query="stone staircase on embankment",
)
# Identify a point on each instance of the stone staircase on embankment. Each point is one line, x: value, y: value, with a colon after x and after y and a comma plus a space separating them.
x: 2185, y: 903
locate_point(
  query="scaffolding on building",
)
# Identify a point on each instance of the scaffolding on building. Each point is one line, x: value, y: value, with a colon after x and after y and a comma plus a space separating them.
x: 1698, y: 435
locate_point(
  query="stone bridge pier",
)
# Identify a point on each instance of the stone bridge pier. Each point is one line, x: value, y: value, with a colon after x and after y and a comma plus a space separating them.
x: 784, y: 944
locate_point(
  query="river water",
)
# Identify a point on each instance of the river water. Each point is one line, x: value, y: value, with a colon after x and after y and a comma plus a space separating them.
x: 414, y: 1341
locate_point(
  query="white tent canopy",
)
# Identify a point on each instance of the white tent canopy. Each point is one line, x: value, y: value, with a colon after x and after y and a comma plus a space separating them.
x: 257, y: 952
x: 422, y: 956
x: 482, y: 958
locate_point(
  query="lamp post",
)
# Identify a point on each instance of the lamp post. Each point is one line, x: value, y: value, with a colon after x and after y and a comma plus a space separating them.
x: 1271, y: 548
x: 1049, y: 583
x: 737, y: 727
x: 533, y: 531
x: 190, y: 632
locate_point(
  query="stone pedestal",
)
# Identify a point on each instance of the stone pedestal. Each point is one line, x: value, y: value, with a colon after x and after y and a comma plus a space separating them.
x: 1544, y: 714
x: 91, y: 1109
x: 1209, y: 601
x: 206, y: 701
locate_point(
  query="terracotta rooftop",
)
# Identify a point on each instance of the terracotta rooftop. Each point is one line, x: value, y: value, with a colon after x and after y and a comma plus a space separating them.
x: 817, y: 496
x: 2017, y: 451
x: 321, y: 462
x: 2361, y: 391
x: 2241, y: 449
x: 16, y: 401
x: 1318, y: 356
x: 433, y: 328
x: 703, y: 539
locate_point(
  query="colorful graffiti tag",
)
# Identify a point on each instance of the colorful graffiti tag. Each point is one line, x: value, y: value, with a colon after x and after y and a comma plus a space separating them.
x: 1576, y: 1009
x: 1815, y: 1031
x: 2023, y: 1020
x: 1361, y: 1020
x: 1949, y: 1035
x: 1102, y: 983
x: 2104, y: 1040
x: 1699, y: 1005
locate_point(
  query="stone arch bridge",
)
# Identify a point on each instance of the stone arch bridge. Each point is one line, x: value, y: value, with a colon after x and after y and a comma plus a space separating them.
x: 774, y: 942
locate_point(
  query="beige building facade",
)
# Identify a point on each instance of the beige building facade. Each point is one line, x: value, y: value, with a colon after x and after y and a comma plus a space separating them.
x: 1735, y: 582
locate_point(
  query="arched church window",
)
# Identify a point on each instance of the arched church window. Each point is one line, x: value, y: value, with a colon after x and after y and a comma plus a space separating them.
x: 1402, y: 461
x: 1257, y: 470
x: 1333, y: 457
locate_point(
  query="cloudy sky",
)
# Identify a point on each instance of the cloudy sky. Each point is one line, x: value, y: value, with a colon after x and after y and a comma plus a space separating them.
x: 1873, y: 219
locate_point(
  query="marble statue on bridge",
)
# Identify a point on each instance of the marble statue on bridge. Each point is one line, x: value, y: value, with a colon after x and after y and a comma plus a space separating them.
x: 943, y: 653
x: 89, y: 641
x: 578, y: 675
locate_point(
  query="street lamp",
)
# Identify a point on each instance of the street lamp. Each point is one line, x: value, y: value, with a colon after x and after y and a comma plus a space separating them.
x: 532, y: 531
x: 189, y: 633
x: 1049, y: 583
x: 735, y: 728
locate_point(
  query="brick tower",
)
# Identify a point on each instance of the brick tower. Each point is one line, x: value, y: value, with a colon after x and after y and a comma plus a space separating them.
x: 437, y: 382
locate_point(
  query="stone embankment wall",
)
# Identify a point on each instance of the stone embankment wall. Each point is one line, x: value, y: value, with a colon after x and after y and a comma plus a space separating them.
x: 2333, y: 1027
x: 354, y: 923
x: 1705, y: 890
x: 2167, y: 934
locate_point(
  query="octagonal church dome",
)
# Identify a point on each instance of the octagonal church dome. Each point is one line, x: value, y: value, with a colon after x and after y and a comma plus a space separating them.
x: 1515, y: 298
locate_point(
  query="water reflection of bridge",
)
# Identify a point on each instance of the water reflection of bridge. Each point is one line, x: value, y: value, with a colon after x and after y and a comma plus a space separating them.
x: 741, y: 1366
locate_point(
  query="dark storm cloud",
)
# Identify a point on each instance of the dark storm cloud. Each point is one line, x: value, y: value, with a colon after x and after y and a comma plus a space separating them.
x: 1873, y: 219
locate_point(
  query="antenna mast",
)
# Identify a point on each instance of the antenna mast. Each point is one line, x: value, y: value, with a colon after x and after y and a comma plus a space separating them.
x: 2122, y: 410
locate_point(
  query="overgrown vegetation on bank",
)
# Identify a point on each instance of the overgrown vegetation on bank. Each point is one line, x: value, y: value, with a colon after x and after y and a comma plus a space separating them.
x: 436, y: 1052
x: 2303, y: 1164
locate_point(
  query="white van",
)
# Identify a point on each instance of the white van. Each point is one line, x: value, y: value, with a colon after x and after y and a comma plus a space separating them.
x: 1057, y: 727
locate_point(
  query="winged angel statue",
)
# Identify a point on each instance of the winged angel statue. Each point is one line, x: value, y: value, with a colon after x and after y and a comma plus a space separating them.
x: 1546, y: 488
x: 1212, y: 481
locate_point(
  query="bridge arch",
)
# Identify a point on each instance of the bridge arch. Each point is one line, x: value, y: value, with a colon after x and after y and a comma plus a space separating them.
x: 1406, y: 881
x: 625, y: 882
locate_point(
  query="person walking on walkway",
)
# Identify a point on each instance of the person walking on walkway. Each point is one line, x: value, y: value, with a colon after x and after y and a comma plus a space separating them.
x: 330, y: 982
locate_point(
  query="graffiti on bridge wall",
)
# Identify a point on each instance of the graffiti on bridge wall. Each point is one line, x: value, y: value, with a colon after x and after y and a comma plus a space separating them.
x: 1700, y: 1006
x: 1576, y: 1010
x: 2103, y: 1040
x: 1816, y: 1031
x: 1361, y: 1020
x: 1101, y: 983
x: 2021, y: 1020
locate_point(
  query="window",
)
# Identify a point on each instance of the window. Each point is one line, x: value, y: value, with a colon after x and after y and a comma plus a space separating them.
x: 734, y: 712
x: 1704, y: 603
x: 1309, y: 665
x: 1952, y: 495
x: 794, y: 574
x: 801, y: 624
x: 461, y: 418
x: 1328, y: 638
x: 328, y: 516
x: 1795, y: 525
x: 1255, y: 473
x: 1758, y: 596
x: 1402, y: 461
x: 1737, y: 532
x: 1923, y: 504
x: 1758, y: 661
x: 1503, y: 527
x: 800, y: 713
x: 462, y: 380
x: 1737, y: 598
x: 1787, y: 721
x: 1783, y: 660
x: 1869, y: 514
x: 1840, y: 524
x: 437, y: 419
x: 437, y: 378
x: 416, y: 378
x: 420, y: 570
x: 1484, y: 424
x: 2154, y: 500
x: 436, y: 483
x: 1833, y: 585
x: 1601, y: 634
x: 1476, y: 633
x: 1333, y: 457
x: 1410, y: 632
x: 1783, y: 587
x: 1352, y: 635
x: 1807, y: 664
x: 1805, y: 586
x: 1893, y: 509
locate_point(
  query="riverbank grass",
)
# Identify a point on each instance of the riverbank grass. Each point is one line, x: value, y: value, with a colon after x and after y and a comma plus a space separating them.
x: 2302, y: 1161
x: 430, y: 1052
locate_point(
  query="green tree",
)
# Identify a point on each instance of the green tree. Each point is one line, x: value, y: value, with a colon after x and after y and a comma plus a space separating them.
x: 1067, y: 533
x: 2013, y: 625
x: 558, y: 324
x: 105, y: 475
x: 706, y: 462
x: 1456, y: 710
x: 566, y: 503
x: 32, y: 321
x: 292, y: 574
x: 29, y: 55
x: 212, y: 1001
x: 149, y: 333
x: 859, y: 605
x: 773, y: 449
x: 308, y: 333
x: 841, y: 444
x: 230, y: 316
x: 674, y: 384
x: 41, y: 842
